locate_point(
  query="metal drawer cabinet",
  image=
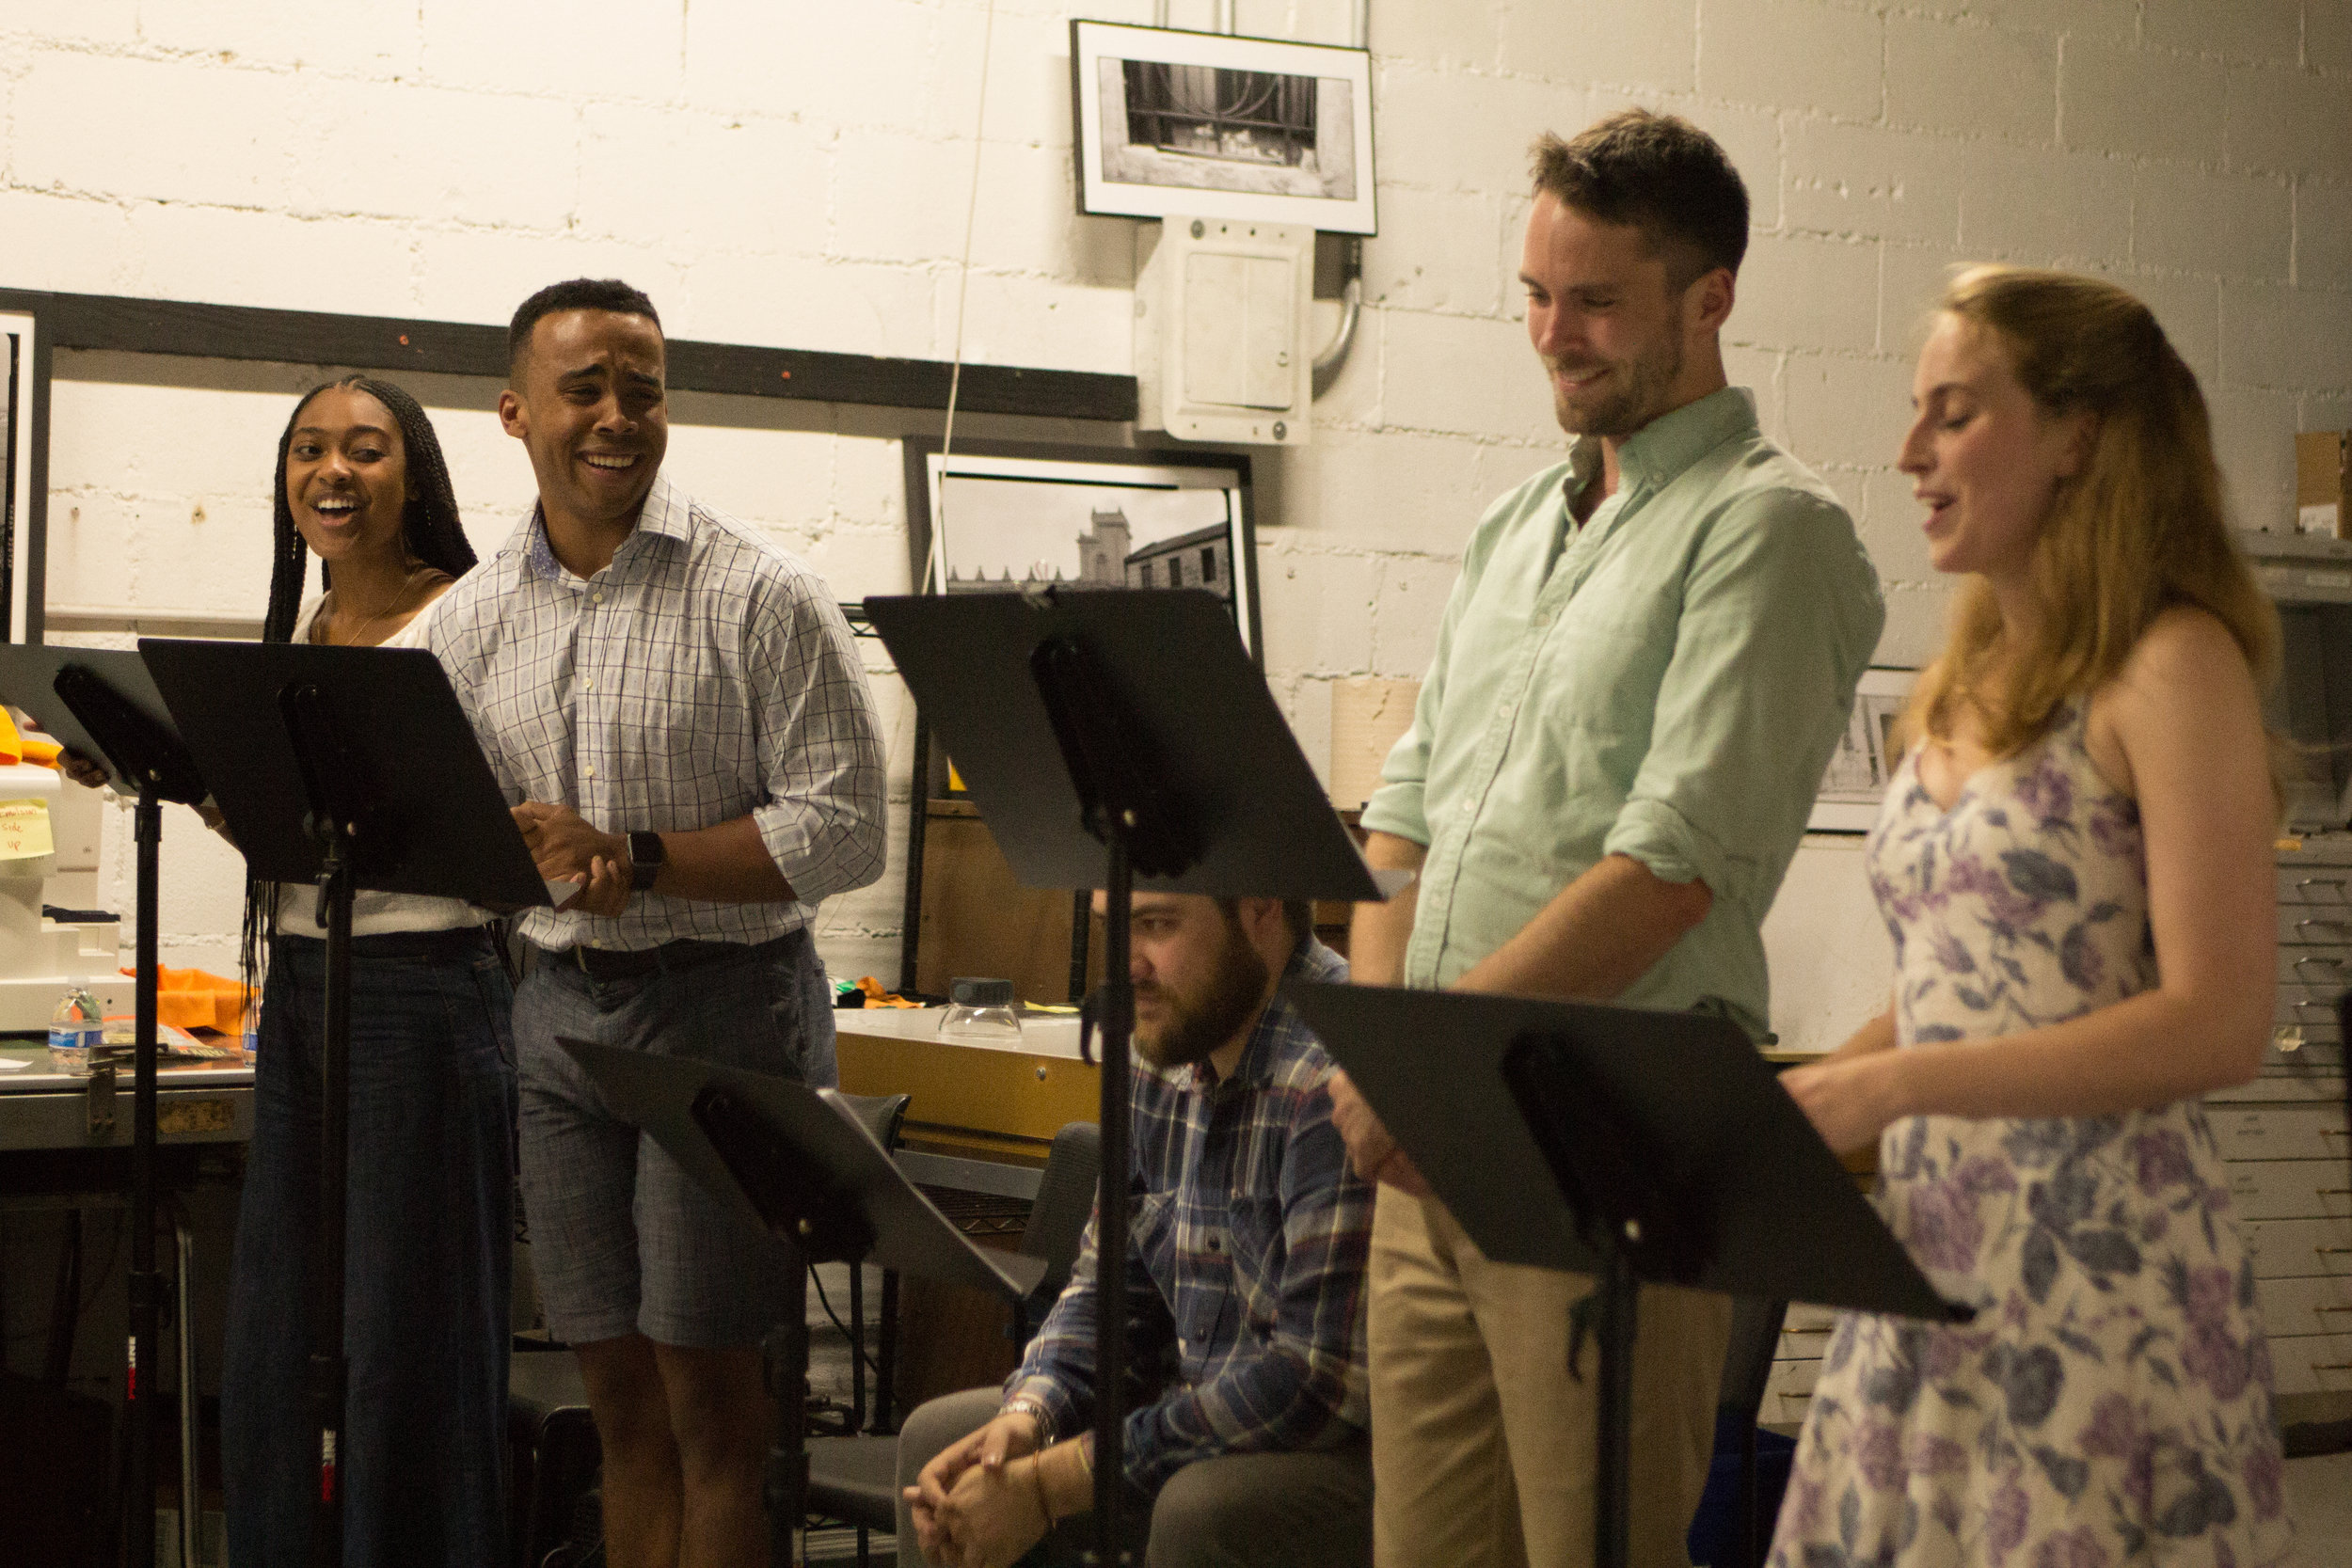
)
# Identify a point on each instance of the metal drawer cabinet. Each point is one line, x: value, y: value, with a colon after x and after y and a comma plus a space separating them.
x: 2290, y: 1189
x: 2315, y: 926
x: 2293, y: 1249
x: 2315, y: 886
x: 2322, y: 1305
x: 2313, y: 1364
x: 2328, y: 968
x: 2279, y: 1131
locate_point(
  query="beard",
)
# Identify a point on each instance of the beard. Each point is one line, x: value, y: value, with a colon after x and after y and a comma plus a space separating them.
x: 1636, y: 396
x: 1195, y: 1022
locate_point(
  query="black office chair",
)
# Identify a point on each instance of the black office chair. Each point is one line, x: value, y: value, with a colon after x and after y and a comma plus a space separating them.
x: 882, y: 1116
x: 855, y: 1480
x: 555, y: 1455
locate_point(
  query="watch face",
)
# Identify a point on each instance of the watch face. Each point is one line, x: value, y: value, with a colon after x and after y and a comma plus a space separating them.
x: 645, y: 859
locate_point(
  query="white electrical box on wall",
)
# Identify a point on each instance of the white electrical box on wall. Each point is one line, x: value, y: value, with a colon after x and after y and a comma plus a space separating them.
x: 1222, y: 312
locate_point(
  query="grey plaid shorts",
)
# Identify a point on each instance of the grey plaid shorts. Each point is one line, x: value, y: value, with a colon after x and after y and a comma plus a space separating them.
x: 622, y: 1241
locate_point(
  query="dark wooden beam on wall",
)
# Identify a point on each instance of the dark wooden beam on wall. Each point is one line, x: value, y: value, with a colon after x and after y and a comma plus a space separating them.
x: 468, y: 348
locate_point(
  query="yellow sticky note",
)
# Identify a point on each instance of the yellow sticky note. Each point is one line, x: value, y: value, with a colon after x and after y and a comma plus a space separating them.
x: 25, y: 830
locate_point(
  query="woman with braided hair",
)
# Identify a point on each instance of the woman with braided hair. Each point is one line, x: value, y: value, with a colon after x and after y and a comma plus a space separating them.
x: 360, y: 481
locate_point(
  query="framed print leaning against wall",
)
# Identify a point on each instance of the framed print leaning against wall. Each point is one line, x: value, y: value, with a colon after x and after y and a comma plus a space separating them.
x: 999, y: 517
x: 996, y: 517
x: 1866, y: 759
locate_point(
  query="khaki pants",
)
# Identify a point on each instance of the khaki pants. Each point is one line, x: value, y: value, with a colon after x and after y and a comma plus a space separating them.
x: 1483, y: 1446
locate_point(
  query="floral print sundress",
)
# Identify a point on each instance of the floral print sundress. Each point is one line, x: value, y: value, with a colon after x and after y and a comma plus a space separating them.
x: 2111, y: 1404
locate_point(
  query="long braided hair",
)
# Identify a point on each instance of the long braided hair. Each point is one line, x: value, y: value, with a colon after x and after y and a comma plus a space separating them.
x: 429, y: 531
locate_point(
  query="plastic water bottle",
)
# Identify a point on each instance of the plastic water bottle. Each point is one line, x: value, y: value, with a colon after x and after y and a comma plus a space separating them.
x: 75, y: 1027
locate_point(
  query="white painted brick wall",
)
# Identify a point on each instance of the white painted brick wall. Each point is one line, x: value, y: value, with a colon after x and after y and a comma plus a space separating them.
x: 782, y: 172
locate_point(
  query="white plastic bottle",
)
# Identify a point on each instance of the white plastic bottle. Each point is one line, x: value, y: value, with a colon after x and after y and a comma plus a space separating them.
x: 75, y: 1029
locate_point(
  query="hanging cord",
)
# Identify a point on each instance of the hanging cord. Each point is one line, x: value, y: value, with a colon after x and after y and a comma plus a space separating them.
x: 964, y: 288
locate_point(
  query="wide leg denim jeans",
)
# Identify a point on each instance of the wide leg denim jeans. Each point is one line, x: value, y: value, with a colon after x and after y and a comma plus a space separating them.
x: 430, y: 1212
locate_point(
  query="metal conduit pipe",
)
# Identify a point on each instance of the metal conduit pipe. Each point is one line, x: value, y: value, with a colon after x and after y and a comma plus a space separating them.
x: 1333, y: 358
x: 1334, y: 355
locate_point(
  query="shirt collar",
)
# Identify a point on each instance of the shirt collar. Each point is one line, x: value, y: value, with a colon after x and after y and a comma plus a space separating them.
x: 1670, y: 443
x: 1312, y: 962
x: 667, y: 513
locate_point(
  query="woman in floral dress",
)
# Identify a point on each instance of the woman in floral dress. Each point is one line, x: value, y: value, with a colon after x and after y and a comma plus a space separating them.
x: 2075, y: 863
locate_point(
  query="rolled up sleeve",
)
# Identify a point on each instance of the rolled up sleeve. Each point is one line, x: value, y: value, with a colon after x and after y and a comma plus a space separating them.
x: 1781, y: 611
x: 820, y: 749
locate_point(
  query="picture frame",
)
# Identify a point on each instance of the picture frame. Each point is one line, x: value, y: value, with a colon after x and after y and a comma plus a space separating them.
x: 18, y: 561
x: 966, y: 522
x: 1174, y: 123
x: 1855, y: 785
x: 993, y: 516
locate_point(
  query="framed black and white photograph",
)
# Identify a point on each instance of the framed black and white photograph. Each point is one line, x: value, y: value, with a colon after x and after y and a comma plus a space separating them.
x: 999, y: 518
x: 16, y: 468
x: 1866, y: 759
x: 1174, y: 123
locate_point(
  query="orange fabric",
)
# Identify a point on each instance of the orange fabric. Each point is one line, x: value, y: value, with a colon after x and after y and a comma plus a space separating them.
x: 16, y: 746
x: 876, y: 997
x: 191, y: 999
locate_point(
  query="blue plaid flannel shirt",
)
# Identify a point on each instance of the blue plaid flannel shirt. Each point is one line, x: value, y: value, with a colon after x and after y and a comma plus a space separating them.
x: 1245, y: 1270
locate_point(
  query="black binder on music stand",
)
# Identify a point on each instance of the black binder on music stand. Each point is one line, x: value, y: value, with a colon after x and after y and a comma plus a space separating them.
x: 1631, y: 1144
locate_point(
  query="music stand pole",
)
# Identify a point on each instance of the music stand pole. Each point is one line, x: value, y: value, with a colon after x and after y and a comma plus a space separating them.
x: 1619, y: 1307
x: 146, y: 1285
x: 783, y: 1368
x: 1110, y: 1235
x: 339, y: 803
x: 110, y: 713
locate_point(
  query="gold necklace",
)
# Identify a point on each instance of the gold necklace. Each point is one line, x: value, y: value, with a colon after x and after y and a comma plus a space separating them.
x: 407, y: 588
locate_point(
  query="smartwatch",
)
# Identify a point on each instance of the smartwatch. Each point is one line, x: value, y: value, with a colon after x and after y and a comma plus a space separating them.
x: 646, y: 858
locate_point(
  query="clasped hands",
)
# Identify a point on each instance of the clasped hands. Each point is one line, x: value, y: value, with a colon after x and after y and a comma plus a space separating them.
x: 980, y: 1502
x: 565, y: 847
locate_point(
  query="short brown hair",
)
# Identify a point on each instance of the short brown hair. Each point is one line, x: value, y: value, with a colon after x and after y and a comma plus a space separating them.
x: 1298, y: 917
x: 1657, y: 173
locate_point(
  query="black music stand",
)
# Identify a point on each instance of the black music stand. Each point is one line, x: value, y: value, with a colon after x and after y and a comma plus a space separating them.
x: 100, y: 703
x: 350, y: 768
x: 1621, y: 1142
x: 791, y: 1160
x: 1112, y: 737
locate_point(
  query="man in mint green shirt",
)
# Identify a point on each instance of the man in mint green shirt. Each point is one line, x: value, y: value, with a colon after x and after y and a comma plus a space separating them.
x: 1643, y: 670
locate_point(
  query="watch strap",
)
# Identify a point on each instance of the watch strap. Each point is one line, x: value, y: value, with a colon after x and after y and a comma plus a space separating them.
x: 645, y: 857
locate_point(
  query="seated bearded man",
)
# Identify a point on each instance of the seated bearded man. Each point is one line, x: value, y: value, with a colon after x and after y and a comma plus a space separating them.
x: 1246, y: 1284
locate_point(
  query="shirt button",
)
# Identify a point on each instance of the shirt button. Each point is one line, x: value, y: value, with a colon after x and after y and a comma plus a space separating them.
x: 588, y: 683
x: 596, y: 598
x: 589, y: 770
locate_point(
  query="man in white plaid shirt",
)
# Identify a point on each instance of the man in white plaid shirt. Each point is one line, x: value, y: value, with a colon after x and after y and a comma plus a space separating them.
x: 676, y: 713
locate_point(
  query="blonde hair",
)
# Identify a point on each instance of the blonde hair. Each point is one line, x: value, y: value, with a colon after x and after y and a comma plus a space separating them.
x: 2142, y: 528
